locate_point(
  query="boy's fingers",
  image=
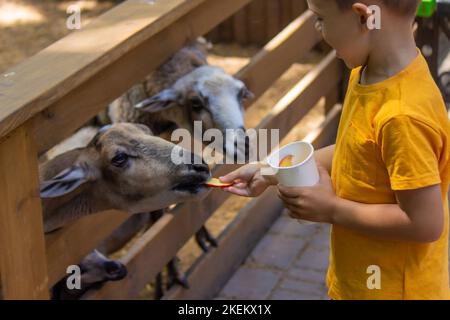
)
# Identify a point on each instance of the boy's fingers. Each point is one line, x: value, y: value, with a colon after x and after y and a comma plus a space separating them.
x: 240, y: 185
x: 229, y: 177
x: 239, y: 192
x: 235, y: 175
x: 322, y: 172
x: 289, y: 201
x: 290, y: 192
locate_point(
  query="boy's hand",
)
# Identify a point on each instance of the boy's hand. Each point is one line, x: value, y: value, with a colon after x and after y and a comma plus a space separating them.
x: 315, y: 203
x: 248, y: 181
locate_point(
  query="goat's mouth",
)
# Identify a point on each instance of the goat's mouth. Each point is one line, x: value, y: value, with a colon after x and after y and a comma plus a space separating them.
x: 192, y: 185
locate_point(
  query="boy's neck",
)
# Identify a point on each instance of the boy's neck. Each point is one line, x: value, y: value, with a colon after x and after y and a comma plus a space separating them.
x: 392, y: 52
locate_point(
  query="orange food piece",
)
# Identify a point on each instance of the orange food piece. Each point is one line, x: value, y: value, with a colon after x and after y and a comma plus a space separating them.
x: 287, y: 161
x: 216, y: 183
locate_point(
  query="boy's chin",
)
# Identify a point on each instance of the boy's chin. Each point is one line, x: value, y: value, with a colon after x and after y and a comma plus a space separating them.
x: 350, y: 65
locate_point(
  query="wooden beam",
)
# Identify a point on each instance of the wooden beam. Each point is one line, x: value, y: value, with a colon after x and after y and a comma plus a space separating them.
x: 298, y: 7
x: 279, y: 54
x: 332, y: 98
x: 212, y: 270
x: 304, y: 95
x: 257, y: 24
x: 22, y: 250
x: 285, y: 13
x: 326, y: 133
x: 240, y: 26
x: 173, y: 230
x: 273, y: 19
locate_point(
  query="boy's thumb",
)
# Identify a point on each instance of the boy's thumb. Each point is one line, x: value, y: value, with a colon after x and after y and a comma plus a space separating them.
x: 229, y: 177
x: 323, y: 172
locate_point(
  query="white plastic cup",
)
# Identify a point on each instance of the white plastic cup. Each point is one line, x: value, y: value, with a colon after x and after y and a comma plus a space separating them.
x: 304, y: 172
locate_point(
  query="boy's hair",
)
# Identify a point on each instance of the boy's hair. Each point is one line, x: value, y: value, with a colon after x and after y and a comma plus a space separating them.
x: 404, y: 7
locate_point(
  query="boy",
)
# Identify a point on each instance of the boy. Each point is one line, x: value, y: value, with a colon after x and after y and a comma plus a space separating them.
x: 390, y: 168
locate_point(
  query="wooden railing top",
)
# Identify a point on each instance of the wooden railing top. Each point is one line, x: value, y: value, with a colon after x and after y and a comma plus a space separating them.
x: 44, y: 78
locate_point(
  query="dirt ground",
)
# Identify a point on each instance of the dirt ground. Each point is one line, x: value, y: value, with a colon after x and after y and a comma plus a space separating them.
x: 28, y: 26
x: 37, y: 24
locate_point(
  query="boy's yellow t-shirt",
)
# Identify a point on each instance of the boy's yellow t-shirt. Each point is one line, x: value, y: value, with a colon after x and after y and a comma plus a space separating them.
x: 393, y: 135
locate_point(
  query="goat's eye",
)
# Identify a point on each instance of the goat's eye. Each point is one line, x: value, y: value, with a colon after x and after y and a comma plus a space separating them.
x: 196, y: 103
x: 120, y: 160
x: 242, y: 95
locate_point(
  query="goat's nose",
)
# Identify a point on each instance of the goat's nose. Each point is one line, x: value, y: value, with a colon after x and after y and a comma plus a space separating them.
x: 200, y: 167
x: 115, y: 270
x: 198, y: 164
x: 112, y: 267
x: 196, y: 159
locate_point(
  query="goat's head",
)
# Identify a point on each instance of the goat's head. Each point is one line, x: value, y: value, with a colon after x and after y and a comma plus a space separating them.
x: 124, y: 167
x: 211, y: 96
x: 95, y: 269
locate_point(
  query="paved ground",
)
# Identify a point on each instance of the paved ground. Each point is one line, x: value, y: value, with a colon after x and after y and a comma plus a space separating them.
x: 289, y: 263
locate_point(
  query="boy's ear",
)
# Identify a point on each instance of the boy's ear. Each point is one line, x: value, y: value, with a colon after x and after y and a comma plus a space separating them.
x: 63, y: 183
x: 162, y: 101
x: 362, y: 11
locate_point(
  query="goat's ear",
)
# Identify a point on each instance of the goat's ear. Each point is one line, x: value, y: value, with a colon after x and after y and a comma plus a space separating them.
x: 63, y: 183
x: 162, y: 101
x: 247, y: 94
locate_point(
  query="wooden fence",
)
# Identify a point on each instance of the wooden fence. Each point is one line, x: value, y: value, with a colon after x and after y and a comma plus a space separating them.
x: 58, y: 90
x: 258, y: 22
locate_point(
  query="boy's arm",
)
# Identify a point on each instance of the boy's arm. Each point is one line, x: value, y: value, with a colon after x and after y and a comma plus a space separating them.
x: 418, y: 217
x: 325, y: 157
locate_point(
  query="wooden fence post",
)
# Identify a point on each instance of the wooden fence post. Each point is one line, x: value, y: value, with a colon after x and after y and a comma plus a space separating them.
x: 22, y: 246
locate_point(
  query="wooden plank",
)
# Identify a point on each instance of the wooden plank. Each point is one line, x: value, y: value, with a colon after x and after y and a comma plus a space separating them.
x: 173, y: 230
x: 22, y: 250
x: 298, y: 7
x: 279, y: 54
x: 332, y: 98
x: 285, y: 13
x: 226, y: 31
x: 82, y: 54
x: 257, y: 22
x: 273, y: 18
x: 69, y: 245
x: 325, y: 134
x: 212, y: 270
x: 303, y: 96
x: 65, y: 116
x: 240, y: 27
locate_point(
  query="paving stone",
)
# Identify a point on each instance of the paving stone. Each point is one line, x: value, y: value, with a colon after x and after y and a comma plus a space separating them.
x: 307, y: 275
x: 276, y: 251
x: 249, y: 283
x: 326, y: 297
x: 303, y: 286
x: 291, y: 228
x: 221, y: 298
x: 321, y: 240
x: 313, y: 259
x: 281, y: 294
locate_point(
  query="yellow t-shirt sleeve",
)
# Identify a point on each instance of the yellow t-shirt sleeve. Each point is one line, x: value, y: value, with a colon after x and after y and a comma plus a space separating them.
x: 410, y: 149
